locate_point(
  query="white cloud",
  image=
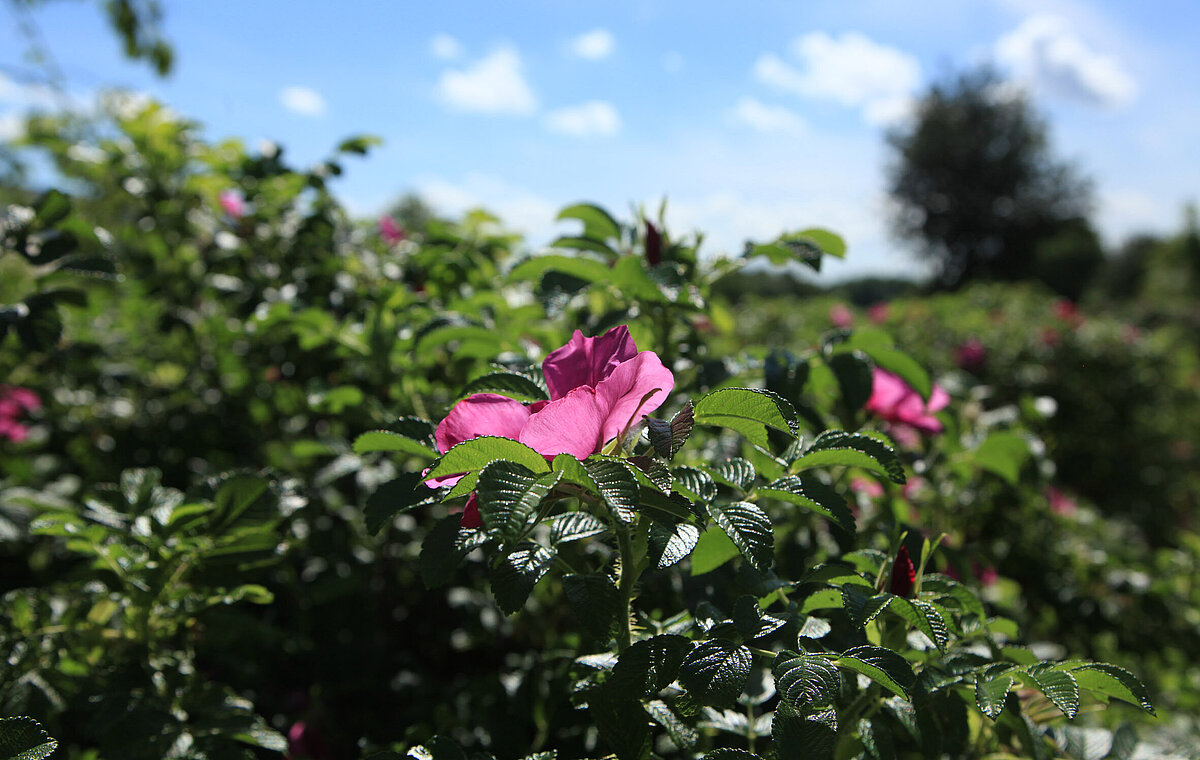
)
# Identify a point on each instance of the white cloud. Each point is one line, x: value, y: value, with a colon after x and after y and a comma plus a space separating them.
x: 1045, y: 52
x: 445, y: 47
x: 302, y: 100
x: 12, y: 126
x: 518, y: 208
x: 37, y: 96
x: 593, y: 45
x: 595, y: 118
x: 766, y: 118
x: 1127, y: 211
x: 851, y: 70
x: 493, y: 84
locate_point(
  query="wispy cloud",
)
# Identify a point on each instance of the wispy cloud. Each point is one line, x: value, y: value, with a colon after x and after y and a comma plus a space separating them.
x: 595, y: 118
x: 759, y: 116
x: 302, y: 100
x: 594, y: 45
x: 518, y: 208
x: 851, y: 69
x: 1046, y: 54
x: 445, y: 47
x: 493, y: 84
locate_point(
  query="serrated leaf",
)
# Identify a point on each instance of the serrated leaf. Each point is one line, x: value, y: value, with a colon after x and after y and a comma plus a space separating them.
x: 811, y: 737
x: 24, y: 739
x: 749, y: 528
x: 512, y: 384
x: 731, y: 754
x: 814, y: 628
x: 806, y: 681
x: 813, y: 495
x: 735, y: 473
x: 617, y: 485
x: 668, y: 438
x: 925, y: 617
x: 837, y: 447
x: 655, y: 471
x: 863, y: 608
x: 440, y: 554
x: 509, y: 496
x: 694, y: 483
x: 400, y: 494
x: 574, y: 526
x: 949, y: 589
x: 883, y: 666
x: 680, y: 733
x: 671, y: 542
x: 514, y: 577
x: 715, y: 672
x: 586, y: 269
x: 1059, y: 686
x: 991, y: 689
x: 1111, y: 681
x: 729, y: 407
x: 477, y: 453
x: 854, y: 376
x: 596, y: 602
x: 648, y: 666
x: 622, y: 723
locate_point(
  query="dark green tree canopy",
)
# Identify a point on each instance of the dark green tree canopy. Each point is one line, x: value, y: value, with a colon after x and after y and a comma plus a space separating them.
x: 974, y: 184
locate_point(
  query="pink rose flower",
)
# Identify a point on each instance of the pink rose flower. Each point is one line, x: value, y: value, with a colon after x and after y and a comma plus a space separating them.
x: 913, y: 487
x: 879, y: 313
x: 867, y: 487
x: 233, y: 203
x: 599, y: 387
x: 1060, y: 502
x: 390, y: 231
x: 894, y: 401
x: 14, y: 403
x: 841, y: 316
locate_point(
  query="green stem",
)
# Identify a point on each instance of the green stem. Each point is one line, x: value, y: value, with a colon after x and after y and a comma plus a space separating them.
x: 632, y: 557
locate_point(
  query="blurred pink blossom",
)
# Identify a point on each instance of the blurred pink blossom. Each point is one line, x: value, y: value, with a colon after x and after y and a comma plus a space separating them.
x: 986, y: 574
x: 1061, y: 503
x: 971, y: 356
x: 913, y: 486
x: 867, y: 487
x: 306, y: 743
x: 894, y: 401
x: 390, y: 231
x: 233, y: 203
x: 879, y: 313
x: 841, y: 316
x: 14, y: 403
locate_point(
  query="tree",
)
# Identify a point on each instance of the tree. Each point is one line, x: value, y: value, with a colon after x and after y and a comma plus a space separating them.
x: 974, y: 184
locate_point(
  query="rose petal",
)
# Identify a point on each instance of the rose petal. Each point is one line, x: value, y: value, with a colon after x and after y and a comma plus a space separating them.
x: 586, y: 361
x: 569, y: 425
x: 621, y: 394
x: 470, y: 514
x: 481, y: 414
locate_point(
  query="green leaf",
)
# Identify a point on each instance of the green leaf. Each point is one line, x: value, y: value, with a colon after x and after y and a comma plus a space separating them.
x: 597, y: 223
x: 588, y: 270
x: 1003, y: 454
x: 713, y: 549
x: 925, y: 617
x: 400, y: 494
x: 951, y: 591
x: 622, y: 724
x: 854, y: 376
x: 750, y: 620
x: 241, y: 496
x: 1059, y: 686
x: 648, y: 666
x: 883, y: 666
x: 477, y: 453
x: 837, y: 447
x: 811, y: 737
x: 440, y: 554
x: 671, y: 542
x: 596, y: 602
x: 24, y: 739
x: 1111, y: 681
x: 668, y: 438
x: 879, y: 347
x: 617, y: 484
x: 813, y: 495
x: 359, y: 144
x: 728, y: 407
x: 509, y: 497
x: 731, y: 754
x: 511, y: 384
x: 683, y: 735
x: 715, y: 672
x: 750, y: 530
x: 863, y: 608
x: 574, y: 526
x: 829, y: 243
x: 695, y: 484
x: 806, y: 681
x: 736, y: 473
x: 517, y: 573
x: 991, y: 688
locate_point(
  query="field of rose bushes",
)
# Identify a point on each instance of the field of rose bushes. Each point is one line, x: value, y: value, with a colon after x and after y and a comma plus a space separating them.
x: 275, y: 481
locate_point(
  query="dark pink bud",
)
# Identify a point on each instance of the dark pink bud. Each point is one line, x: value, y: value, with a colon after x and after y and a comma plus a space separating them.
x: 904, y: 575
x: 653, y: 245
x: 971, y: 356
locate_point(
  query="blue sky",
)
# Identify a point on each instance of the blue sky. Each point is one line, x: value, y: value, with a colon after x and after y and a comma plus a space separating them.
x: 750, y: 122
